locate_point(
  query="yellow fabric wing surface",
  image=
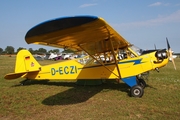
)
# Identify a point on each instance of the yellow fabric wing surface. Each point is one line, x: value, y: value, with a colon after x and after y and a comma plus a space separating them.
x: 72, y: 32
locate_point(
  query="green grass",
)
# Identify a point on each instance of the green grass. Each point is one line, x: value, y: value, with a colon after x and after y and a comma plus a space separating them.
x: 66, y: 100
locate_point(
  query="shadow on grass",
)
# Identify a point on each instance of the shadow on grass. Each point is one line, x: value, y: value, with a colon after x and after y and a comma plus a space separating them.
x: 150, y: 86
x: 79, y: 94
x: 76, y: 93
x: 44, y: 82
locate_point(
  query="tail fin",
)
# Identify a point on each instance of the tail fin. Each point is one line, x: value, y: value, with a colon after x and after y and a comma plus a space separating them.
x: 25, y: 63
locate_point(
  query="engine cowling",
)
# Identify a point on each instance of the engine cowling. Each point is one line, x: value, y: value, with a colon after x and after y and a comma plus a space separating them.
x: 161, y: 54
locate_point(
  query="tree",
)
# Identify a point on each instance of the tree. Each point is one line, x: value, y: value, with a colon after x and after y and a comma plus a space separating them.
x: 31, y: 50
x: 1, y: 50
x: 35, y: 52
x: 50, y: 51
x: 9, y: 50
x: 56, y: 50
x: 68, y: 51
x: 20, y: 48
x: 42, y: 50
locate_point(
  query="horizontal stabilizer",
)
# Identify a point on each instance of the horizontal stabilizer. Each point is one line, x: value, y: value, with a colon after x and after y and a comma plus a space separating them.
x: 11, y: 76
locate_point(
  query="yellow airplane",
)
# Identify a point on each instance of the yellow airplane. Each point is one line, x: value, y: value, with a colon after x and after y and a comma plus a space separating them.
x: 109, y: 55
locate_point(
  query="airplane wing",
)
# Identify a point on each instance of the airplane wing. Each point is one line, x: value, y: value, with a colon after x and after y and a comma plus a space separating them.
x: 73, y: 32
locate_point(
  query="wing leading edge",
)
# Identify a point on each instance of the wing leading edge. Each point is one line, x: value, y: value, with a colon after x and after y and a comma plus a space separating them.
x: 72, y: 32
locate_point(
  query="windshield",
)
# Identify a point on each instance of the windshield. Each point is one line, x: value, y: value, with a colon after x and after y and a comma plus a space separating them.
x: 137, y: 50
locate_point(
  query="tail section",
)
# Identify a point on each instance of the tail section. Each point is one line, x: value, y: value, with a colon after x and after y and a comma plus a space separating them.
x: 25, y: 63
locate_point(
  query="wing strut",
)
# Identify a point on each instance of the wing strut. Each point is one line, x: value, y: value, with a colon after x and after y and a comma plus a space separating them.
x: 99, y: 61
x: 115, y: 58
x: 112, y: 49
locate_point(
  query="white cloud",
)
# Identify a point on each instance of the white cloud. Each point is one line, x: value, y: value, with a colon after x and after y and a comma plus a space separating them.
x: 155, y: 4
x: 159, y: 4
x: 174, y: 17
x: 87, y: 5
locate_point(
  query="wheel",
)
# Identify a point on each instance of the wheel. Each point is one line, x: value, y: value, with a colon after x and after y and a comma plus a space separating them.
x: 137, y: 91
x: 142, y: 83
x: 24, y: 82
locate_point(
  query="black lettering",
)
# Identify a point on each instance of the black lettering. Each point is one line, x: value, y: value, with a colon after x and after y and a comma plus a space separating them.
x: 53, y: 71
x: 66, y: 70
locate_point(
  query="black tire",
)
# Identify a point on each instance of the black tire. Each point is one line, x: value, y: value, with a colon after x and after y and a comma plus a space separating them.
x: 142, y: 83
x: 137, y: 91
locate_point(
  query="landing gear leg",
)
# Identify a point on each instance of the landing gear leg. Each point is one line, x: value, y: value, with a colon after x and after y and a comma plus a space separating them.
x: 141, y: 83
x: 136, y: 87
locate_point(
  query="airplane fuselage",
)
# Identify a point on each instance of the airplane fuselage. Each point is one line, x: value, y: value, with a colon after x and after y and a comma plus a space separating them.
x: 73, y: 69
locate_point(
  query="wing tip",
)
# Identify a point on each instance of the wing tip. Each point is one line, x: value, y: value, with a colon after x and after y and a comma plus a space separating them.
x: 58, y: 24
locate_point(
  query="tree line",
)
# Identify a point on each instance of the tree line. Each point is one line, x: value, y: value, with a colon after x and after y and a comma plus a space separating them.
x: 11, y: 50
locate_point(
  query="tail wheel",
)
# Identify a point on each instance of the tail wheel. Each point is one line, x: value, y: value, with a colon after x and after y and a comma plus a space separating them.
x: 137, y: 91
x: 142, y: 83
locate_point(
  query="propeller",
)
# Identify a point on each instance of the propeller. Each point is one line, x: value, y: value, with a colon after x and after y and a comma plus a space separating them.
x: 170, y: 53
x: 155, y: 46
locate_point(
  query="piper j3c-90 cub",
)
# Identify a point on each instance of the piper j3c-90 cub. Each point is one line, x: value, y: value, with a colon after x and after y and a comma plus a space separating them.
x: 110, y: 56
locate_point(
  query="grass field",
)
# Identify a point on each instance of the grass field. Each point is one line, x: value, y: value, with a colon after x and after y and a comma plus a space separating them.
x: 65, y: 100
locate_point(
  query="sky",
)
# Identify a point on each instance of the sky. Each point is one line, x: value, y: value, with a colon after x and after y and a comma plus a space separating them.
x: 144, y: 23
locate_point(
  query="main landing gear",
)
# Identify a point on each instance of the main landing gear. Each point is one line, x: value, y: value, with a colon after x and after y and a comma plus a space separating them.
x: 137, y: 85
x: 138, y: 90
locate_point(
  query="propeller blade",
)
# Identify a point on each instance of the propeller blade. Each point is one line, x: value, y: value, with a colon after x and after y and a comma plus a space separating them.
x: 170, y: 53
x: 155, y: 46
x: 168, y: 44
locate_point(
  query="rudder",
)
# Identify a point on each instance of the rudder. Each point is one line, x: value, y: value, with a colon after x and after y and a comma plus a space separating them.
x: 25, y: 62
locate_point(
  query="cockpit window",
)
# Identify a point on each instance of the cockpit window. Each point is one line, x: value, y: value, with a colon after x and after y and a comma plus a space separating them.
x: 137, y: 50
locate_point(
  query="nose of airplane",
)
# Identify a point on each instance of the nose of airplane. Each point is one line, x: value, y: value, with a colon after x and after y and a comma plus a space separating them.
x: 161, y: 54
